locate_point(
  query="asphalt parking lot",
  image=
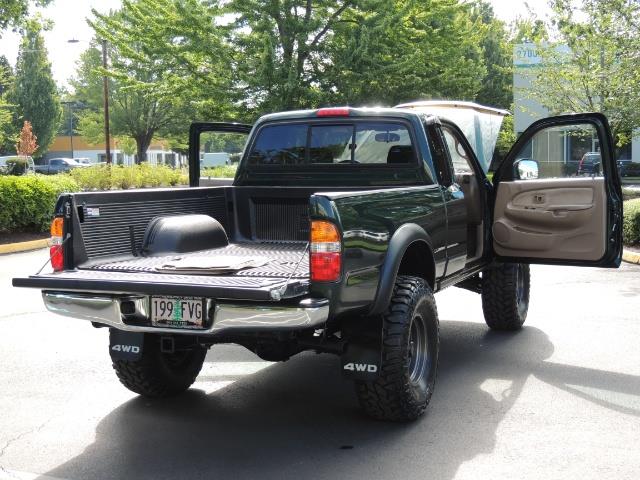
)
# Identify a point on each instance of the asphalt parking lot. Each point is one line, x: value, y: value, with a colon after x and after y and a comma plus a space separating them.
x: 558, y: 400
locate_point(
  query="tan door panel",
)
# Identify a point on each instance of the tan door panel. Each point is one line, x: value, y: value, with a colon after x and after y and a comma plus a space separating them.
x: 563, y: 218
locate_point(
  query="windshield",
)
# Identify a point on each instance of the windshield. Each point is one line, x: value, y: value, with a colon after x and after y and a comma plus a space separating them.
x: 367, y: 142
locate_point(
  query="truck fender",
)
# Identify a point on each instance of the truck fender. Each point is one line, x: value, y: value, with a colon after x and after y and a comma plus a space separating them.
x: 400, y: 242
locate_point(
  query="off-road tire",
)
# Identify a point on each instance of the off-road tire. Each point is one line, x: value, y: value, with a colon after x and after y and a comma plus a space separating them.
x: 396, y: 394
x: 159, y: 374
x: 505, y: 295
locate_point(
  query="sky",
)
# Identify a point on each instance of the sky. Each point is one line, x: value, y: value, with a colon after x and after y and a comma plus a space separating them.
x: 69, y: 17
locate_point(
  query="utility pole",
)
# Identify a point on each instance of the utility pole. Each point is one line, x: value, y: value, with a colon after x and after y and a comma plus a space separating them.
x: 105, y: 84
x: 70, y: 113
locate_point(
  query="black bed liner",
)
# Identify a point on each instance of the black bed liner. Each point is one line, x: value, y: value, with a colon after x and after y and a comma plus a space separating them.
x: 287, y: 260
x: 289, y: 266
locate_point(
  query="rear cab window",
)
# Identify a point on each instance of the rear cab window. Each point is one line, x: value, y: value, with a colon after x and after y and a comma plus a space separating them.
x: 340, y: 143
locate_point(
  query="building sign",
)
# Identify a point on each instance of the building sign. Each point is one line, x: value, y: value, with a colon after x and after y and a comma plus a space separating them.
x: 526, y: 55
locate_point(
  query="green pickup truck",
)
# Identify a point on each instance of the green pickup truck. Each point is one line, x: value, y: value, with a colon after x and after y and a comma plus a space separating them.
x: 339, y: 227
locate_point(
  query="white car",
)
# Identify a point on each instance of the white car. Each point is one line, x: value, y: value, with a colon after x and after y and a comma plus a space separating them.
x: 16, y: 165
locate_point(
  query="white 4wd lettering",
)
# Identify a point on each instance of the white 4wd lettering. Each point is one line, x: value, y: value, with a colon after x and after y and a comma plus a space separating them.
x: 361, y: 367
x: 126, y: 348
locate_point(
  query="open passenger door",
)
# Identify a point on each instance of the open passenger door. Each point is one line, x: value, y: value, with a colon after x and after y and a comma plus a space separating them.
x: 214, y: 144
x: 558, y: 198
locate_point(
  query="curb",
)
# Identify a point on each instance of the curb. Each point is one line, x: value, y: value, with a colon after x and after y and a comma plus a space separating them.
x: 631, y: 257
x: 23, y: 246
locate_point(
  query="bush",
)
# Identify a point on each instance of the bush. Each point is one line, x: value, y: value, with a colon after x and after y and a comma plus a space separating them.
x: 631, y: 223
x: 628, y: 194
x: 222, y: 171
x: 105, y: 177
x: 27, y: 202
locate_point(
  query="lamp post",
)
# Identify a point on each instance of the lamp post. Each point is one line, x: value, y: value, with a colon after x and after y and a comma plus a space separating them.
x: 70, y: 113
x: 105, y: 92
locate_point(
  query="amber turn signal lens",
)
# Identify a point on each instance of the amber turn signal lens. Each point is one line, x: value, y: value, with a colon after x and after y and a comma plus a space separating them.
x: 322, y: 232
x: 56, y: 227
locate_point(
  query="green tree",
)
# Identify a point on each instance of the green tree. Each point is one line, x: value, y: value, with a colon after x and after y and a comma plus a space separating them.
x: 497, y: 52
x: 404, y: 50
x: 529, y: 30
x: 241, y: 58
x: 135, y: 112
x: 593, y: 64
x: 34, y: 92
x: 181, y: 57
x: 14, y: 12
x: 283, y: 48
x: 7, y: 130
x: 6, y: 74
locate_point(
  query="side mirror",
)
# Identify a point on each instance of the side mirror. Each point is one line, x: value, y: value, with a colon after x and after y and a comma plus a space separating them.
x: 526, y: 169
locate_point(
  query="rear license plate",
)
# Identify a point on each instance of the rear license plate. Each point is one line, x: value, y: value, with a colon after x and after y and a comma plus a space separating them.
x: 178, y: 312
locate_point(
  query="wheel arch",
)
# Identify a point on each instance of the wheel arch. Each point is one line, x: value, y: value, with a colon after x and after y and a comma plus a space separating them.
x: 410, y: 252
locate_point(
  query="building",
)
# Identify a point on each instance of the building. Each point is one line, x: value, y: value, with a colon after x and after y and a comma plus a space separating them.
x: 564, y: 147
x: 158, y: 153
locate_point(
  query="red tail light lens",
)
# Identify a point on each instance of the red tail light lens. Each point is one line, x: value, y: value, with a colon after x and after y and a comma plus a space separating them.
x: 57, y: 259
x: 326, y: 257
x: 325, y: 267
x: 55, y: 252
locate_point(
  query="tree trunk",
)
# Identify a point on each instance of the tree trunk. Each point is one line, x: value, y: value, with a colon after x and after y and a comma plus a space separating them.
x: 142, y: 145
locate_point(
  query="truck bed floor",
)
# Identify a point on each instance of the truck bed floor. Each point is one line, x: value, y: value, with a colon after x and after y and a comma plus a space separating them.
x: 287, y: 260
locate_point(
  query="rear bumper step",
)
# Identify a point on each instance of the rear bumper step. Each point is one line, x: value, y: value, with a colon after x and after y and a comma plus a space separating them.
x: 227, y: 317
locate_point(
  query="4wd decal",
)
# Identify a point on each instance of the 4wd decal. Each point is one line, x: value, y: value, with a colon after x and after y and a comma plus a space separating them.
x: 126, y: 348
x: 126, y: 345
x: 361, y: 367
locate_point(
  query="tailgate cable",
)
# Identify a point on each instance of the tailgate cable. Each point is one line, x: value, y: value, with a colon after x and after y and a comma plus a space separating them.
x: 278, y: 293
x: 55, y: 252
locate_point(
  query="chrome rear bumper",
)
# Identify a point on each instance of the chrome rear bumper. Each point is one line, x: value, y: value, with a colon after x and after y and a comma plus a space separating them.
x: 227, y: 317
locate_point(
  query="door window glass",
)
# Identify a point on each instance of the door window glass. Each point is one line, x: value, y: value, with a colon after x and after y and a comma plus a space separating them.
x: 440, y: 157
x: 460, y: 157
x: 219, y: 155
x: 560, y: 152
x: 279, y: 145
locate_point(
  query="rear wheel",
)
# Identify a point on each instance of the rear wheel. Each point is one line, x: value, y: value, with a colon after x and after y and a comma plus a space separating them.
x: 410, y: 346
x: 505, y: 295
x: 158, y: 374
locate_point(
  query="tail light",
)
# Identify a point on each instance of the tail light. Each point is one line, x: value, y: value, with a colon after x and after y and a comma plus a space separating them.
x: 55, y: 251
x: 333, y: 112
x: 325, y: 252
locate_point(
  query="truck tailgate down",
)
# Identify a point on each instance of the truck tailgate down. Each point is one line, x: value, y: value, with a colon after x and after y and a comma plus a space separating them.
x: 286, y: 275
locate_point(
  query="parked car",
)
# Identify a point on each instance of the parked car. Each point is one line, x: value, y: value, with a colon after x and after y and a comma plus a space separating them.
x: 590, y: 164
x: 58, y: 165
x: 339, y: 227
x: 628, y: 168
x: 83, y: 160
x: 16, y: 165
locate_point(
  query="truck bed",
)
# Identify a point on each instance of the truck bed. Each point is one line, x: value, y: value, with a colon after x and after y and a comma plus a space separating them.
x: 287, y: 260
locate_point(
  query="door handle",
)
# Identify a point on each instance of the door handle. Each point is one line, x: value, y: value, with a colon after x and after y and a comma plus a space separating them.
x: 569, y: 208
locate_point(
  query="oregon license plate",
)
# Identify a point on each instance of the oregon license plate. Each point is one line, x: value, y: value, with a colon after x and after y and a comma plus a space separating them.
x: 178, y: 312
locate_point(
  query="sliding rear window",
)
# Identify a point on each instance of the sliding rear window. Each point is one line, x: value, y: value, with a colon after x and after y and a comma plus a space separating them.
x: 378, y: 143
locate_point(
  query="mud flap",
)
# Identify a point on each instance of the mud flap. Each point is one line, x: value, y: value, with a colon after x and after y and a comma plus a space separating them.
x: 362, y: 358
x: 125, y: 345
